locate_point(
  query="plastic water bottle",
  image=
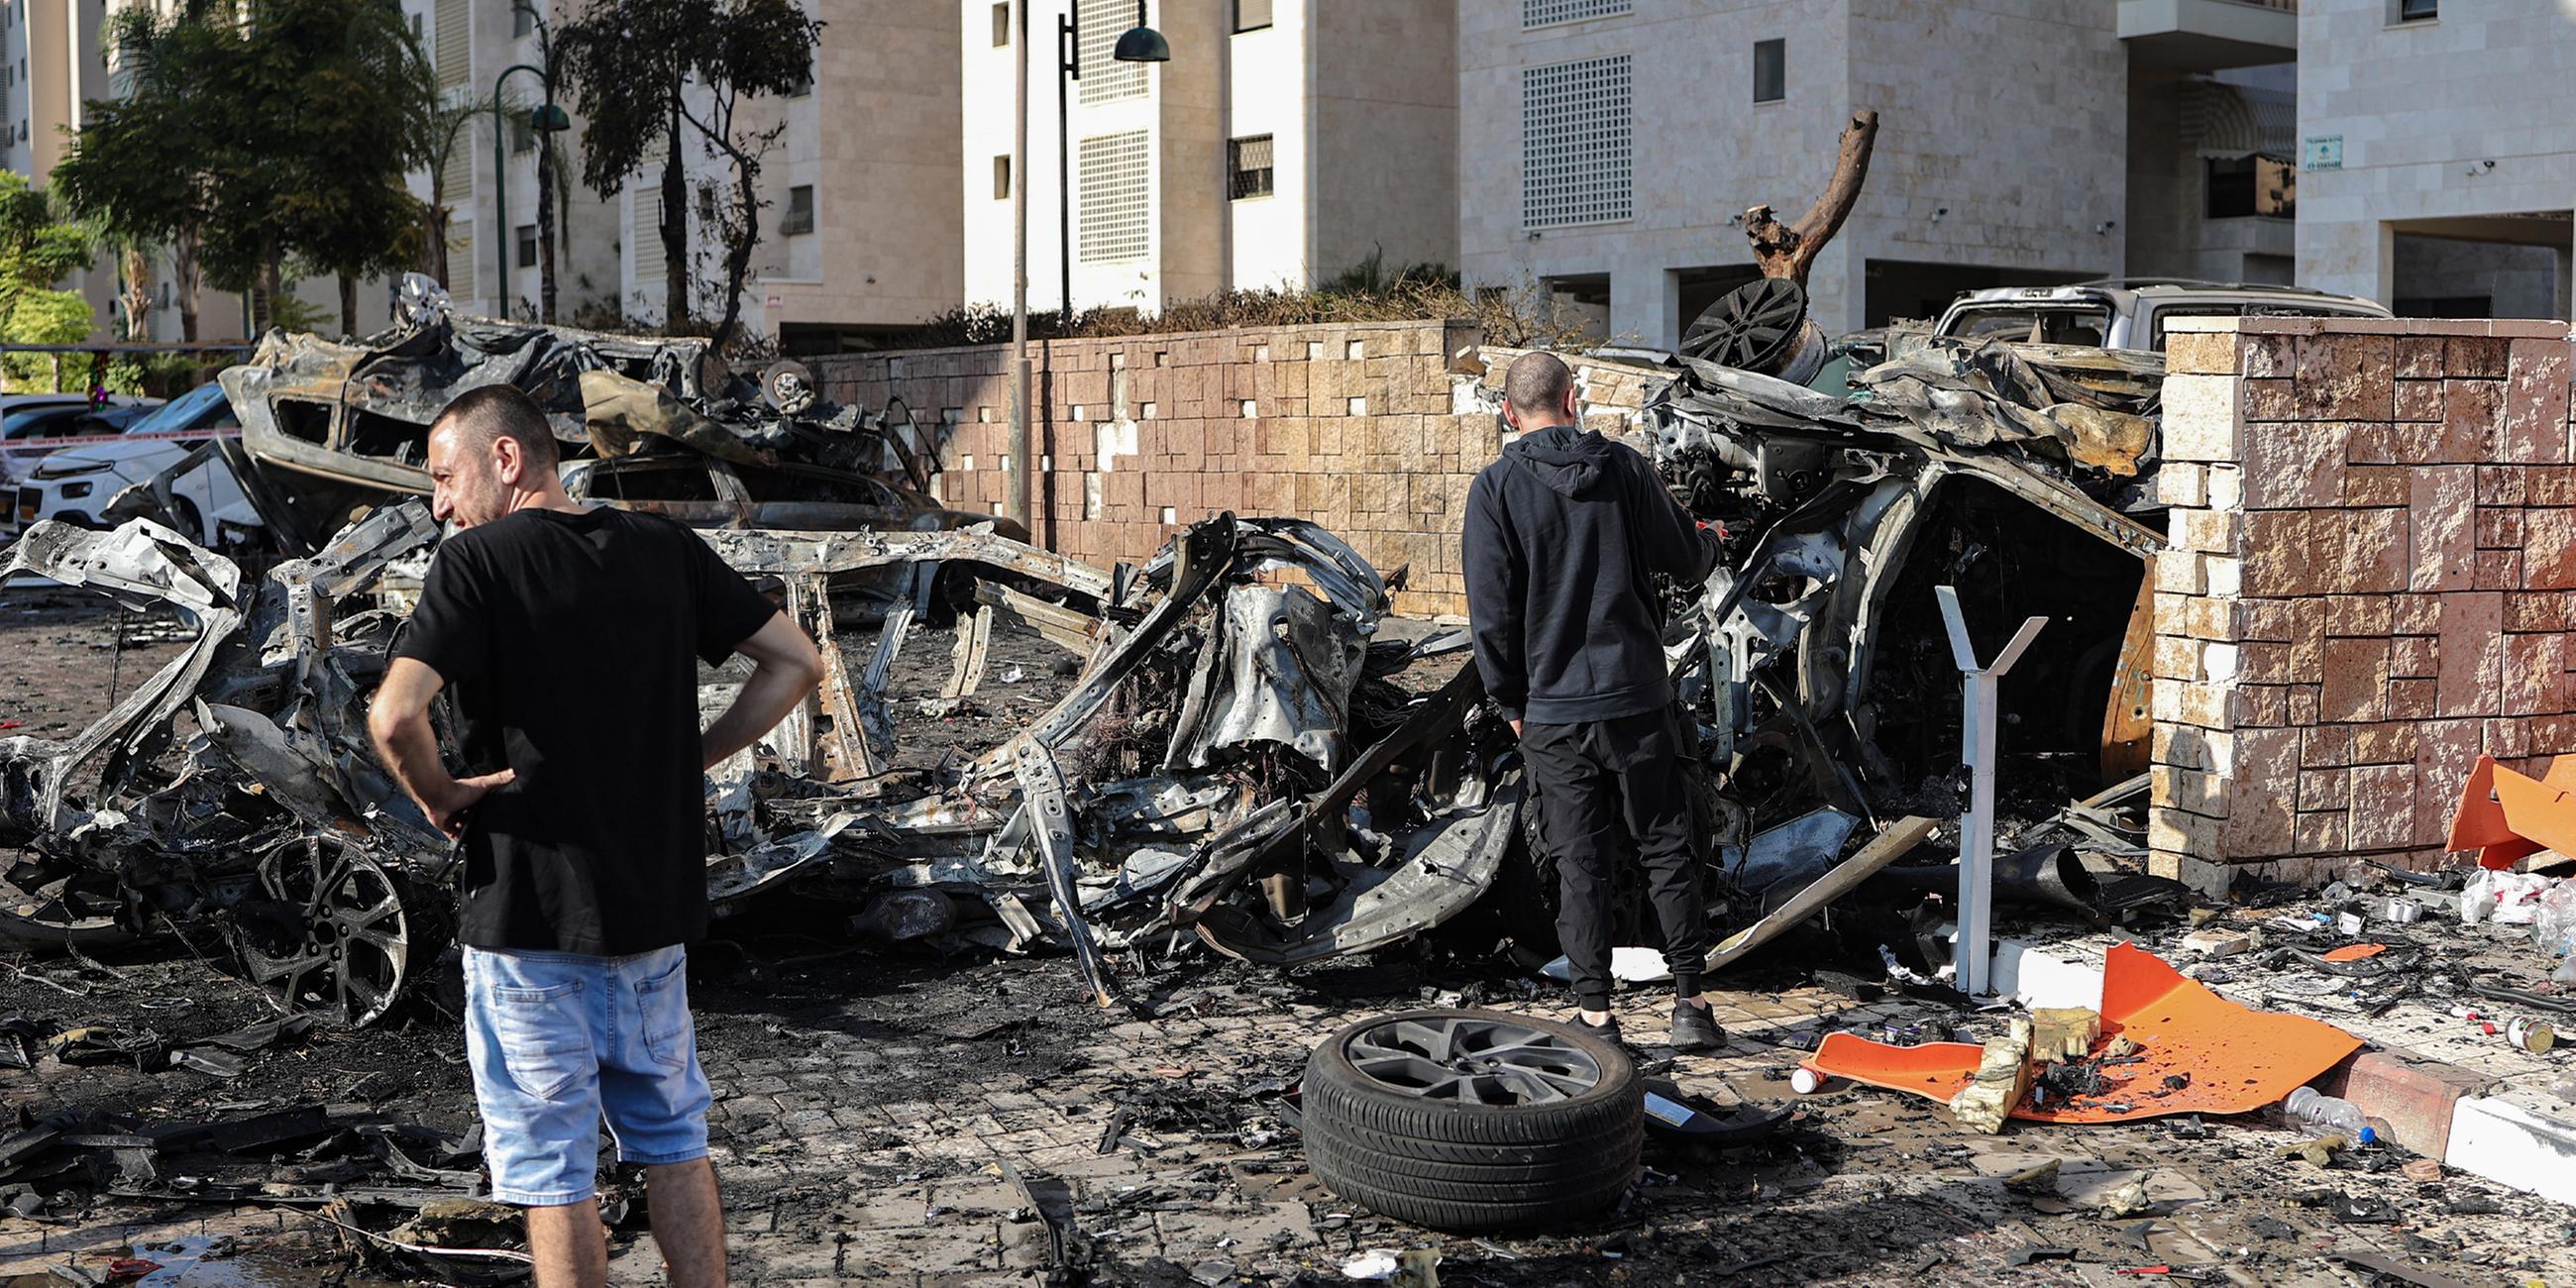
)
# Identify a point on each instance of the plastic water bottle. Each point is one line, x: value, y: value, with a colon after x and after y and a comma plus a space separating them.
x: 2327, y: 1116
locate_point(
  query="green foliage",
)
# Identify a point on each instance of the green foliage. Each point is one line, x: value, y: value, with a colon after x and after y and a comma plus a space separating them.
x: 627, y: 62
x: 139, y: 168
x: 38, y: 246
x: 158, y: 375
x: 41, y: 316
x: 1366, y: 292
x: 325, y: 109
x: 290, y: 312
x: 282, y: 131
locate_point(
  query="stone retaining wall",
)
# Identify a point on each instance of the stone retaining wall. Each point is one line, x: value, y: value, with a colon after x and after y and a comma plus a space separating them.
x: 1373, y: 430
x: 2372, y: 577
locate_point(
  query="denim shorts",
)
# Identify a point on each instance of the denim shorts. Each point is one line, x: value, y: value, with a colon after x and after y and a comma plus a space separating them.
x: 557, y: 1040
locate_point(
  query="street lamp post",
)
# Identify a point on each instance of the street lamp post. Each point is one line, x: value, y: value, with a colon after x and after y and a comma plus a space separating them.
x: 1139, y: 44
x: 547, y: 120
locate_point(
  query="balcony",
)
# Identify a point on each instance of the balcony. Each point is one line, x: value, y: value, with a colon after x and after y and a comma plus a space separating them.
x: 2207, y: 35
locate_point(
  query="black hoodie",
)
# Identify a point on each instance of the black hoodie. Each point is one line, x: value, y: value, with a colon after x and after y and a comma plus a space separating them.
x: 1561, y: 532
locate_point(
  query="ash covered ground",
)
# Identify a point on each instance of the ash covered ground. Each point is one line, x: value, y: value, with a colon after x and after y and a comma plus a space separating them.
x: 882, y: 1118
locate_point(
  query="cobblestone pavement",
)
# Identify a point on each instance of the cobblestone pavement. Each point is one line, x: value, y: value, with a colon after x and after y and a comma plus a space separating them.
x: 872, y: 1119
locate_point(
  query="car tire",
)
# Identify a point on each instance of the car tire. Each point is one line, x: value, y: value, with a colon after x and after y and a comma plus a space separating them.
x: 1471, y: 1120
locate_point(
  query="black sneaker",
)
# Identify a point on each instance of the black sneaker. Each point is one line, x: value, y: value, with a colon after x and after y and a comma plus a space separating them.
x: 1694, y: 1029
x: 1606, y: 1032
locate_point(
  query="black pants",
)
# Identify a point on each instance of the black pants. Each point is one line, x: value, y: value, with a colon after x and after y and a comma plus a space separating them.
x: 1591, y: 777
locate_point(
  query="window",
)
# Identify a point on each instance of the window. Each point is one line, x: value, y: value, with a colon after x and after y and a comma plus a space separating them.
x: 1575, y: 132
x: 800, y: 210
x: 1104, y: 78
x: 2250, y: 185
x: 455, y: 53
x: 1251, y: 15
x: 527, y: 245
x: 1247, y: 167
x: 1001, y: 178
x: 1113, y: 196
x: 523, y: 137
x: 2418, y: 10
x: 804, y: 83
x: 522, y: 20
x: 1548, y: 13
x: 1001, y: 25
x: 416, y: 32
x: 1770, y: 70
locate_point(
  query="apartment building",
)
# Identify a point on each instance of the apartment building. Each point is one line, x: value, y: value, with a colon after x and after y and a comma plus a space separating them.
x: 1285, y: 142
x: 2438, y: 153
x: 50, y: 64
x: 1617, y: 143
x: 2213, y: 138
x: 863, y: 234
x: 859, y: 235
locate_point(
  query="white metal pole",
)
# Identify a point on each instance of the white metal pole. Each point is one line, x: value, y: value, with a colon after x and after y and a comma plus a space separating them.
x: 1015, y: 474
x: 1974, y: 956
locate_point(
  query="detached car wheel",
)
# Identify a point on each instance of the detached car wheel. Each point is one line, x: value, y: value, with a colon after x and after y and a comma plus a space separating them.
x: 1473, y: 1120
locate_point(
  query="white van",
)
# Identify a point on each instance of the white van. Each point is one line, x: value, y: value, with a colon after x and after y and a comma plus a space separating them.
x: 2130, y: 313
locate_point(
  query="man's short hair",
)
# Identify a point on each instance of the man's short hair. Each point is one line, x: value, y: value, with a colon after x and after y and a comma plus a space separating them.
x: 483, y: 415
x: 1535, y: 384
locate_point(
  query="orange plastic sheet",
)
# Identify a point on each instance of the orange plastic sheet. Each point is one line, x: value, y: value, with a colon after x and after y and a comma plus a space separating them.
x: 2238, y: 1060
x: 2507, y: 816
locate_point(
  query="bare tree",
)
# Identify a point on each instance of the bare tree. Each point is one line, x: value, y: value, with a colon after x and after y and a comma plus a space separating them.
x: 1789, y: 250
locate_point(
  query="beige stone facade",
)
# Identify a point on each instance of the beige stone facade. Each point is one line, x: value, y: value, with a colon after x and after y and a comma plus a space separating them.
x: 1372, y: 430
x: 1282, y: 144
x: 2371, y: 580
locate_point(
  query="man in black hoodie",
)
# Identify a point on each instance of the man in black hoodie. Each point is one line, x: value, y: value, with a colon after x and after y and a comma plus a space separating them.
x: 1561, y: 533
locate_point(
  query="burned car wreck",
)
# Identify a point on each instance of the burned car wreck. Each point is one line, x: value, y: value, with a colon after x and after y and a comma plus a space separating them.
x: 654, y: 424
x: 1250, y: 754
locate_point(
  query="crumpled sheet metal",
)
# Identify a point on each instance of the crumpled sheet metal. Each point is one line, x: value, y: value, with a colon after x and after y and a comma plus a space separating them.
x: 619, y: 411
x: 2238, y: 1059
x: 836, y: 553
x: 1998, y: 392
x: 1280, y: 671
x: 2508, y: 816
x: 139, y: 563
x: 1450, y: 864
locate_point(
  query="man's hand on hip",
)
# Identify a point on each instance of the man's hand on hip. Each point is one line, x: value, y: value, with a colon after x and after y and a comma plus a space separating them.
x: 449, y: 814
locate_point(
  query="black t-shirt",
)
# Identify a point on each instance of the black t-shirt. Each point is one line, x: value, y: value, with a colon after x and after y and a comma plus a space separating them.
x: 569, y: 645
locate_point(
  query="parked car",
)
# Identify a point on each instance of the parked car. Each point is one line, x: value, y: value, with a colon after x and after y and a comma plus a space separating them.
x: 73, y: 484
x: 32, y: 425
x: 2130, y: 313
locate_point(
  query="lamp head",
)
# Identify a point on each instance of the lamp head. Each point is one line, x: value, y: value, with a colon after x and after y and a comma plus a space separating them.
x: 1142, y: 44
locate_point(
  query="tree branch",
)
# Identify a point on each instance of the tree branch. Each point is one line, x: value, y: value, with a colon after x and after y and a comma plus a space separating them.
x: 1788, y: 250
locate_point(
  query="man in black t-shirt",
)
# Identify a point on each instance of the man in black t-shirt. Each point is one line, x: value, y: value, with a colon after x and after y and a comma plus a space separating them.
x: 569, y: 640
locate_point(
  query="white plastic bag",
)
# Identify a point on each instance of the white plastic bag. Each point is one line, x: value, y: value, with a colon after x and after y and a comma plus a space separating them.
x: 2554, y: 928
x: 2505, y: 898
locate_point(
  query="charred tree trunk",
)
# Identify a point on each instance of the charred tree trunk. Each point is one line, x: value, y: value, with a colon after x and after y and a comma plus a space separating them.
x: 183, y: 269
x: 433, y: 226
x: 738, y: 252
x: 263, y: 314
x: 348, y: 304
x: 1788, y: 250
x: 675, y: 230
x: 138, y: 294
x: 546, y: 227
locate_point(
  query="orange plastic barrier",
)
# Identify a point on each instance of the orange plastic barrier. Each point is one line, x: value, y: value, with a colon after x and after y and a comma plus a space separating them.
x: 2508, y: 816
x: 2237, y: 1060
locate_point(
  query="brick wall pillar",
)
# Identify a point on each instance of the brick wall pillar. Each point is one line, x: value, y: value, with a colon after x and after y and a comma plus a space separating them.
x: 2372, y: 568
